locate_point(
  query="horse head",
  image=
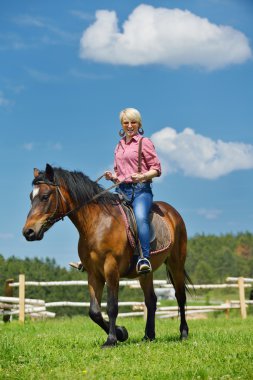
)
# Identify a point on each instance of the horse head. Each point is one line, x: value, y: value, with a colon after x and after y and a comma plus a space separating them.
x: 47, y: 204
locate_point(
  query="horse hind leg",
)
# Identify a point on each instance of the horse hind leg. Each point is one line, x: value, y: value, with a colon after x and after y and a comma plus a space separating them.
x: 178, y: 281
x: 146, y: 282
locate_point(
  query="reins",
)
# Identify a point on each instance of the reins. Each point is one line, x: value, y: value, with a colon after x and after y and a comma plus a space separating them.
x: 95, y: 196
x: 51, y: 220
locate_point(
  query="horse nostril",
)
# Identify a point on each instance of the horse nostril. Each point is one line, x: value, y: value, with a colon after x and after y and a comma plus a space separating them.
x: 29, y: 234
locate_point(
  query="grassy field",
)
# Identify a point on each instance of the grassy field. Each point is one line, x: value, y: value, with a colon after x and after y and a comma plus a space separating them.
x: 70, y: 349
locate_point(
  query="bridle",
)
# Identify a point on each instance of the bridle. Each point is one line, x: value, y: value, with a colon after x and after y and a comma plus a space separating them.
x: 60, y: 199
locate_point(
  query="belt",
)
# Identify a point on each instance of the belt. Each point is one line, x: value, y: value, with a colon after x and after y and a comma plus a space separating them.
x: 130, y: 184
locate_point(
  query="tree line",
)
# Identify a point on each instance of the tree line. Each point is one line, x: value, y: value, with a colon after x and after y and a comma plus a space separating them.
x: 210, y: 259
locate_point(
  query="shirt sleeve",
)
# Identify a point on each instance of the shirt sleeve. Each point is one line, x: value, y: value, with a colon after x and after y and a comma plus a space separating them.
x: 150, y: 155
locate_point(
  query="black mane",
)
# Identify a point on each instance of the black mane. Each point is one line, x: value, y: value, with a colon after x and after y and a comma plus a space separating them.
x: 80, y: 187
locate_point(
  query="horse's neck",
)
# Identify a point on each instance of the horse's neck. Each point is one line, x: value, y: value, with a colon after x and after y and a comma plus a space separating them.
x: 86, y: 217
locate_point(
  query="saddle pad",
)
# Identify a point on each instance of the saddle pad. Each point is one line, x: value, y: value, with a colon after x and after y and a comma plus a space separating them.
x: 162, y: 236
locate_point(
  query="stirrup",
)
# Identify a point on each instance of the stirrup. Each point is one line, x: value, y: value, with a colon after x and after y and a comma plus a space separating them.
x: 78, y: 266
x: 143, y: 266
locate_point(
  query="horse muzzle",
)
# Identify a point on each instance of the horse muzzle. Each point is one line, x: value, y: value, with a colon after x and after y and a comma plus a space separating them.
x: 31, y: 234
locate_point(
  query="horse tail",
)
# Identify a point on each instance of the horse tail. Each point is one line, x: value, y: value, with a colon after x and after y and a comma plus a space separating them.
x: 187, y: 281
x: 169, y: 276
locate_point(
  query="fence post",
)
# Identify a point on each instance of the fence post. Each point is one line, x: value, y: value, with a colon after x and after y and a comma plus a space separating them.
x: 145, y: 312
x: 242, y: 297
x: 22, y: 298
x: 8, y: 292
x: 227, y: 310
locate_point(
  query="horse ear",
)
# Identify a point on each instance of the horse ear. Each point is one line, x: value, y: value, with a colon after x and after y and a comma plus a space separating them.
x: 36, y: 172
x: 49, y: 173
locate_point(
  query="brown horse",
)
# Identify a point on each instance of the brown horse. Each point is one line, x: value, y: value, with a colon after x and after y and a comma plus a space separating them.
x: 103, y: 247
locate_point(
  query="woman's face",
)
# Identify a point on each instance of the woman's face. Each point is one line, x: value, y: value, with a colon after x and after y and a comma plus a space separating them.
x: 130, y: 127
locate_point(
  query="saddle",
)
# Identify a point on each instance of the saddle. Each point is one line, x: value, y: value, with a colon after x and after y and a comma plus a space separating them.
x: 160, y: 237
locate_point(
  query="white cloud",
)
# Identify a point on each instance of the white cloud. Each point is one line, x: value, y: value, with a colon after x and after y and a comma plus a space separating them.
x: 41, y: 76
x: 28, y: 146
x: 171, y: 37
x: 28, y: 20
x: 12, y: 41
x: 56, y: 146
x: 43, y: 24
x: 88, y: 75
x: 4, y: 102
x: 199, y: 156
x: 82, y: 15
x: 209, y: 214
x: 17, y: 89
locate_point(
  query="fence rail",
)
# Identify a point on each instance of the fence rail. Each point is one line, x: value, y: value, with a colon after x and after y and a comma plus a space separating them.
x: 235, y: 279
x: 21, y: 306
x: 130, y: 283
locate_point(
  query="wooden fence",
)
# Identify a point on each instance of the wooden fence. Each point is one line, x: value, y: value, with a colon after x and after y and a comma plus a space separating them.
x: 22, y: 306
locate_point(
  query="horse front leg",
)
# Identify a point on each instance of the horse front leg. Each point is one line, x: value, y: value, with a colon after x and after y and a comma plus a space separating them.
x: 96, y: 286
x: 112, y: 312
x: 112, y: 281
x: 146, y: 282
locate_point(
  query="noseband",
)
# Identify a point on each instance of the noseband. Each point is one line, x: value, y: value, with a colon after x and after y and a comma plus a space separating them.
x: 59, y: 200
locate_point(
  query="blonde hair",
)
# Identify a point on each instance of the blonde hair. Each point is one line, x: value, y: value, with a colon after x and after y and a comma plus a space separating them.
x: 131, y: 114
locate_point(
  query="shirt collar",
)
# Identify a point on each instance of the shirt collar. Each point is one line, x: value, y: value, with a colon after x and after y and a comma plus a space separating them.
x: 135, y: 138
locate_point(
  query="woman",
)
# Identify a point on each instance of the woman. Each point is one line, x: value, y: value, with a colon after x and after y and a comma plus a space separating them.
x: 136, y: 186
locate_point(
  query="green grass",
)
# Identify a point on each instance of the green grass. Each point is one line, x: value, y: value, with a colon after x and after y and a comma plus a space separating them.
x: 70, y: 349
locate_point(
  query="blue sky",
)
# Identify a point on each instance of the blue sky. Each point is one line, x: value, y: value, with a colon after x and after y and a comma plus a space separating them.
x: 68, y: 68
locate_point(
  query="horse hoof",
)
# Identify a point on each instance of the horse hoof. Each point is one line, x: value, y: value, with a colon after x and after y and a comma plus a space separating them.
x: 147, y: 339
x: 121, y: 333
x: 184, y: 335
x: 108, y: 345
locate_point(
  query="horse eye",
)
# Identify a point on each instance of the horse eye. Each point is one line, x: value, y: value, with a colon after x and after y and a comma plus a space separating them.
x: 45, y: 197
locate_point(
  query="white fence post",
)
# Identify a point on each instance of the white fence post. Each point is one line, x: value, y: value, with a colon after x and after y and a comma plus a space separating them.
x: 242, y: 297
x: 145, y: 312
x: 21, y: 298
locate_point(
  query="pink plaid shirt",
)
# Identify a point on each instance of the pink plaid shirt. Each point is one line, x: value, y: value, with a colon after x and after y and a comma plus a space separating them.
x: 126, y: 158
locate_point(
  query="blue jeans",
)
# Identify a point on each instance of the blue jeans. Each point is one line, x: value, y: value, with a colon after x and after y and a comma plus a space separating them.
x: 141, y: 198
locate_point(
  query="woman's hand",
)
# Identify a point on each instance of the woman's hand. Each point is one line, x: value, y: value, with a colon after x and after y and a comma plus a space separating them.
x: 138, y: 177
x: 110, y: 176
